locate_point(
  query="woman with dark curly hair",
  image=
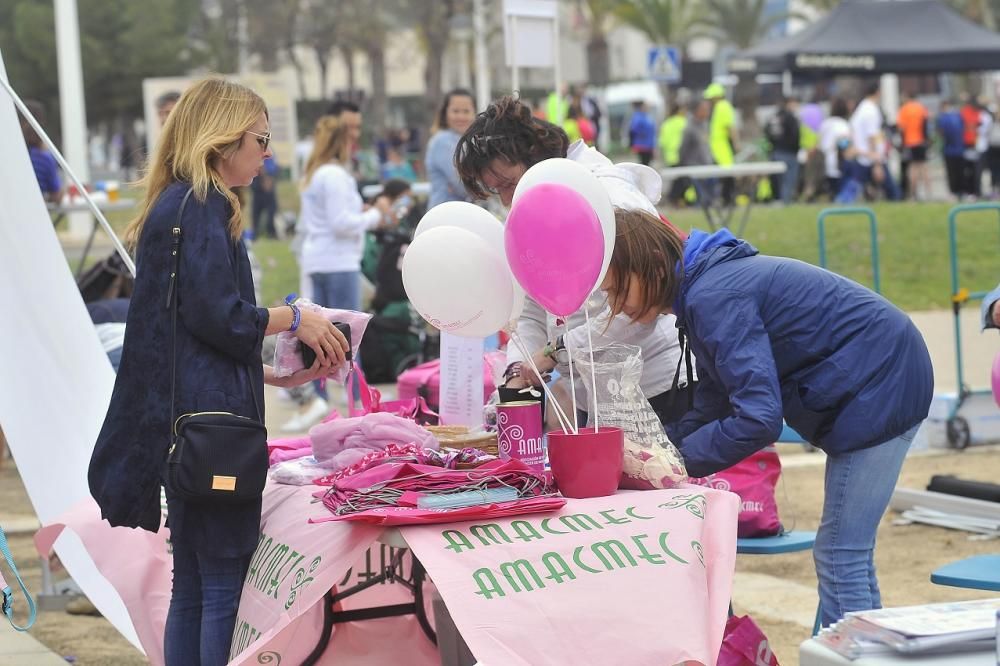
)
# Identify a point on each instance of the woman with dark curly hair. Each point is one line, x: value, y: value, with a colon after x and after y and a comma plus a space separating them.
x: 502, y: 143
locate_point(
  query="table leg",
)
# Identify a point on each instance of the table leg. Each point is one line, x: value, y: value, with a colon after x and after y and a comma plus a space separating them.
x: 86, y: 250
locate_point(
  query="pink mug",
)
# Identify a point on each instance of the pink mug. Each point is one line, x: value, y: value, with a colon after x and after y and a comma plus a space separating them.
x: 588, y: 464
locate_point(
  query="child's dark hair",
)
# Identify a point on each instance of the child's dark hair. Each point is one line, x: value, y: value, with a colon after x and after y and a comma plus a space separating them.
x: 505, y: 130
x: 395, y: 187
x: 654, y: 252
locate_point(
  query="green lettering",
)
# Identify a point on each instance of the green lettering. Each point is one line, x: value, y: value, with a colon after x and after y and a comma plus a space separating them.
x: 612, y: 520
x: 558, y: 568
x: 258, y: 556
x: 265, y: 561
x: 580, y: 522
x: 525, y: 531
x: 630, y: 512
x: 579, y: 562
x: 278, y: 580
x: 545, y: 526
x: 645, y: 554
x: 613, y: 549
x: 272, y: 564
x: 523, y: 570
x: 490, y: 532
x: 666, y: 549
x: 456, y: 541
x: 487, y: 583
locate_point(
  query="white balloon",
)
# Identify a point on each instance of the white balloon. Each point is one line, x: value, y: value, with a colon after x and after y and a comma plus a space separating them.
x: 482, y: 223
x: 457, y: 282
x: 577, y: 177
x: 467, y: 216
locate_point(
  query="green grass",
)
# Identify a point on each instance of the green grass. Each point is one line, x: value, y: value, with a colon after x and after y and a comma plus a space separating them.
x: 915, y: 263
x: 913, y: 242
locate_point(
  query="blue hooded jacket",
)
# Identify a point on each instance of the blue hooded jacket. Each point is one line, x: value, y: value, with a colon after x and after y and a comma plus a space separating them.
x: 775, y: 337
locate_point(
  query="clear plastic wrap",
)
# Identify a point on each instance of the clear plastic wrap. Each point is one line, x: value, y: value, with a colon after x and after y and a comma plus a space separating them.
x: 651, y: 460
x: 288, y: 359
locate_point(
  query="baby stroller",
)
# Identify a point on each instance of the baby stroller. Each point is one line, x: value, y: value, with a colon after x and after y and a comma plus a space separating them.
x: 397, y: 337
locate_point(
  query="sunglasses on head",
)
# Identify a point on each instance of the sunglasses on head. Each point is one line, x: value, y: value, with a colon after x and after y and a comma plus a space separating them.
x: 262, y: 139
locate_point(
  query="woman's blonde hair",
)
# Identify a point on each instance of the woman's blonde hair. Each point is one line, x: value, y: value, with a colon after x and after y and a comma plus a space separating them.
x: 331, y: 143
x: 207, y: 125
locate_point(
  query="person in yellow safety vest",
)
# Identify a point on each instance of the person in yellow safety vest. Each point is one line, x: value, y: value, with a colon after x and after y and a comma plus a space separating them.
x: 670, y: 140
x: 672, y: 134
x: 722, y: 134
x: 557, y: 107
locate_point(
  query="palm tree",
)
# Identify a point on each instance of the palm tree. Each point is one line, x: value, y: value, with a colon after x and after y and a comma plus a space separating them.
x: 741, y: 23
x: 662, y: 21
x: 599, y: 15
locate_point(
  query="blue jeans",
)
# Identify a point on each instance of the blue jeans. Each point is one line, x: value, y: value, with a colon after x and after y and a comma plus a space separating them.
x: 341, y: 290
x: 203, y: 605
x: 857, y: 490
x: 789, y: 179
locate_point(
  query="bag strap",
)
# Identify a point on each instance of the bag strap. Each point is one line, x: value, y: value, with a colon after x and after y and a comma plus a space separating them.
x: 172, y: 287
x: 370, y: 397
x: 8, y: 595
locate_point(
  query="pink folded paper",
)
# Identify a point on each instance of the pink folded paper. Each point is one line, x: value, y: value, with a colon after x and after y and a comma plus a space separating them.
x: 412, y: 478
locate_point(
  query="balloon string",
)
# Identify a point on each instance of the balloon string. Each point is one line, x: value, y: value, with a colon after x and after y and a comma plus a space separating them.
x: 560, y: 414
x: 593, y: 369
x: 572, y: 383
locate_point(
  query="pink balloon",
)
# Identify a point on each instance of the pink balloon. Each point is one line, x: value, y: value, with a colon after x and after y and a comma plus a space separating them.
x: 995, y: 378
x: 554, y: 246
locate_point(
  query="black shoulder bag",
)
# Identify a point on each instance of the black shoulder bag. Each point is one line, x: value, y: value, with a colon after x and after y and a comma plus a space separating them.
x: 214, y: 457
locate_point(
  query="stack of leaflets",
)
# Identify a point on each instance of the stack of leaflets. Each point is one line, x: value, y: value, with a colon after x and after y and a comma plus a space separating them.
x: 933, y: 629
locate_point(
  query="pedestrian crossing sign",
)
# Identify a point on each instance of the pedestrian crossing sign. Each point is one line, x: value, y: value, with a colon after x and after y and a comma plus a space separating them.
x: 664, y: 64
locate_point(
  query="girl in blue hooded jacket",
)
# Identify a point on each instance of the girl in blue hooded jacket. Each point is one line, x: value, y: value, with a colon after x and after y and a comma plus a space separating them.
x: 775, y: 339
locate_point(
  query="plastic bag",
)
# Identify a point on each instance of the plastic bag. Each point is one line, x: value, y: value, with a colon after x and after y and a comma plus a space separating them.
x: 287, y: 358
x: 651, y: 460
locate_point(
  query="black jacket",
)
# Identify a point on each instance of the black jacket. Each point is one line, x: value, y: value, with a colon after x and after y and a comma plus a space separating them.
x: 219, y: 334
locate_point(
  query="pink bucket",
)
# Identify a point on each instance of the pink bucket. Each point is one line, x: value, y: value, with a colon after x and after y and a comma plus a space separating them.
x: 588, y: 464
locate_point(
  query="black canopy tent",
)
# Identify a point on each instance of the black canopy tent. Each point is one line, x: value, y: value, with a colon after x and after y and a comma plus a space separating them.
x: 869, y: 37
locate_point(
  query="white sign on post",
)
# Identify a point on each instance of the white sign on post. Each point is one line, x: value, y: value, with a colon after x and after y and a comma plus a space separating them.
x: 461, y: 399
x: 529, y: 32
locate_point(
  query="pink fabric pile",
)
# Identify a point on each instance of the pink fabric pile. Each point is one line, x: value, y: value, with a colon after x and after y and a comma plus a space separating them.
x: 372, y: 432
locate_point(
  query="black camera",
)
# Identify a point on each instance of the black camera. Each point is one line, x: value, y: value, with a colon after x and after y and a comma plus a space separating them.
x: 309, y: 355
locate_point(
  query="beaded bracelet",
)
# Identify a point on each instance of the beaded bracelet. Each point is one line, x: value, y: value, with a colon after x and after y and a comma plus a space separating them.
x: 296, y: 313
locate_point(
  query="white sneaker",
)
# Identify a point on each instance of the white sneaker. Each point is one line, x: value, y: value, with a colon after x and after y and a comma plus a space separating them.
x: 312, y: 415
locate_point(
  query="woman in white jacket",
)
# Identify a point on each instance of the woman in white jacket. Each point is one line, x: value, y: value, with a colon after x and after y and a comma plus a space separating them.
x: 335, y: 219
x: 502, y: 143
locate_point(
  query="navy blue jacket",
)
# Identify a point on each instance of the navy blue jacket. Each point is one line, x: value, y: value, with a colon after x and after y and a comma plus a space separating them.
x: 775, y: 337
x: 219, y: 334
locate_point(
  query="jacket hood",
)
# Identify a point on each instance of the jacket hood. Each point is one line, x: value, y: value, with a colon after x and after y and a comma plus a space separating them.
x: 703, y: 250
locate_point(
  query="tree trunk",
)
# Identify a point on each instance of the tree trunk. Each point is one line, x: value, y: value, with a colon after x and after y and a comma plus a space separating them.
x: 432, y: 81
x: 297, y: 66
x: 598, y: 65
x: 379, y: 102
x: 323, y: 62
x: 347, y: 53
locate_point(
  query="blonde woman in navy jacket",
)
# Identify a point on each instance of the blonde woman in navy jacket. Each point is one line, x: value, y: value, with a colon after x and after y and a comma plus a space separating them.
x: 216, y: 138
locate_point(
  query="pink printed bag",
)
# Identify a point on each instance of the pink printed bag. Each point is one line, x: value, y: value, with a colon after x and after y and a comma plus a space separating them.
x: 744, y: 644
x: 754, y: 479
x: 425, y: 380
